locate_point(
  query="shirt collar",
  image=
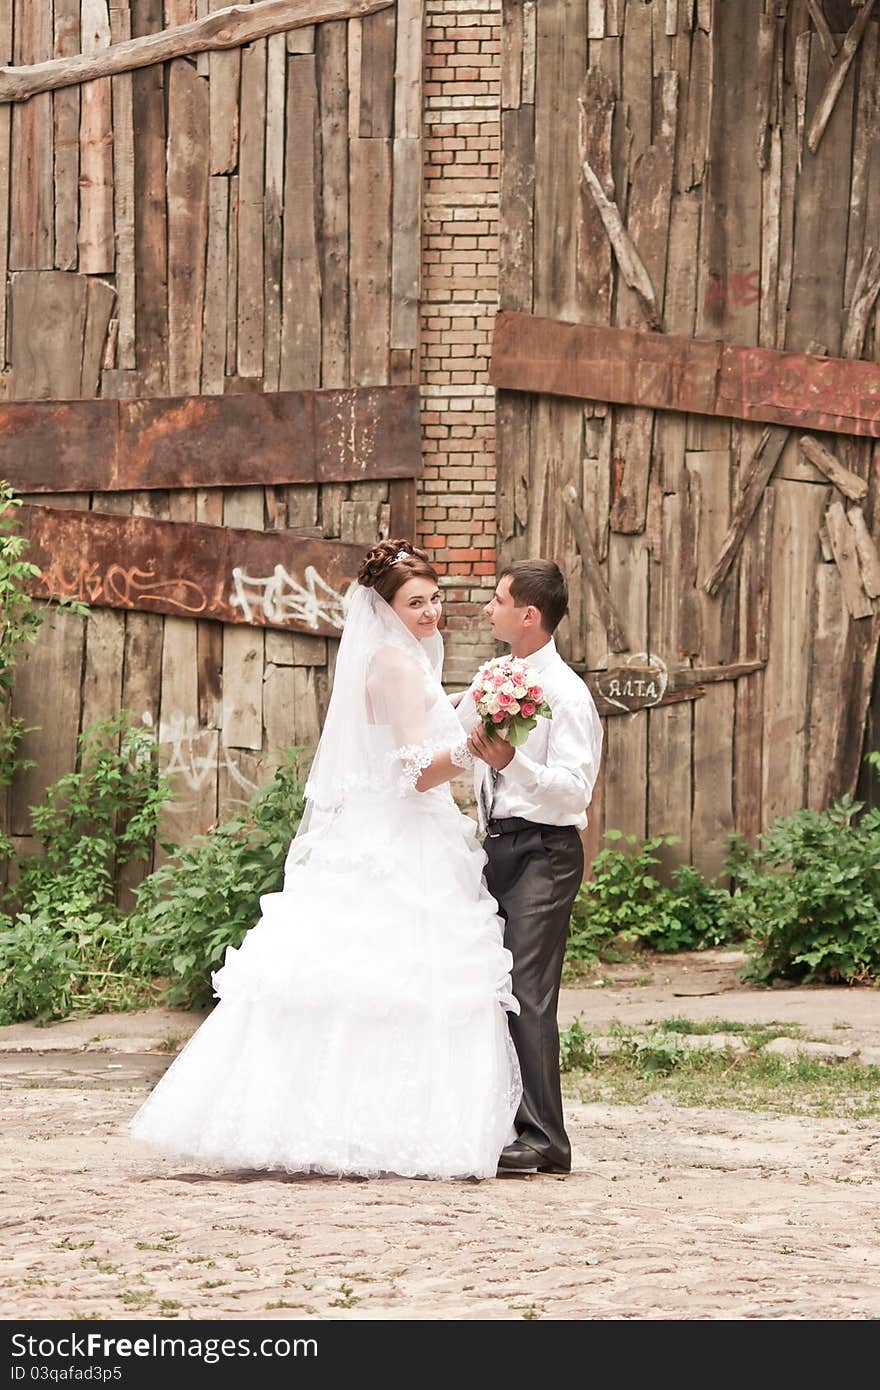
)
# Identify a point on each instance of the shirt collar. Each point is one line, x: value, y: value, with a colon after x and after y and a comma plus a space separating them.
x: 543, y: 656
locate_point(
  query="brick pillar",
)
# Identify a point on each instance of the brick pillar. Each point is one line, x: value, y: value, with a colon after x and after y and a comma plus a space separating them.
x: 456, y: 503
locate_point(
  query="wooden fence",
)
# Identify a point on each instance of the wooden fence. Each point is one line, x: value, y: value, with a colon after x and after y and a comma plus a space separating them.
x: 690, y: 221
x: 210, y: 332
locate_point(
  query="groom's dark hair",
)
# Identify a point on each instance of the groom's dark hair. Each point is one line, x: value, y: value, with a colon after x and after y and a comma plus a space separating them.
x: 541, y: 584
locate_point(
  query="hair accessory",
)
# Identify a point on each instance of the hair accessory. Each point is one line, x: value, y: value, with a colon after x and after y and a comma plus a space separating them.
x: 402, y: 555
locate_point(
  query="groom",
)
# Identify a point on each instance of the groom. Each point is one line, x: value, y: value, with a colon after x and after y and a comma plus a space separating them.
x: 532, y: 802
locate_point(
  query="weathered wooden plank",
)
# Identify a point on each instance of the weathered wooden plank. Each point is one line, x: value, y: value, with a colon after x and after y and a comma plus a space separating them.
x: 215, y: 307
x: 47, y: 679
x: 225, y: 78
x: 615, y: 626
x: 748, y: 730
x: 191, y: 570
x: 46, y: 363
x: 65, y: 108
x: 242, y: 698
x: 301, y: 319
x: 123, y: 197
x: 843, y: 545
x: 626, y: 758
x: 333, y: 241
x: 712, y: 818
x: 95, y: 239
x: 561, y: 59
x: 864, y: 294
x: 801, y: 390
x: 150, y: 223
x: 100, y: 300
x: 669, y: 727
x: 408, y: 70
x: 273, y: 207
x: 594, y: 267
x: 848, y: 483
x: 829, y: 624
x: 837, y: 77
x: 867, y: 552
x: 793, y: 551
x: 376, y: 104
x: 730, y: 254
x: 188, y: 124
x: 228, y: 28
x: 405, y: 243
x: 648, y: 224
x: 370, y: 265
x: 32, y: 210
x: 251, y: 179
x: 102, y: 446
x: 517, y: 209
x: 512, y: 53
x: 822, y: 215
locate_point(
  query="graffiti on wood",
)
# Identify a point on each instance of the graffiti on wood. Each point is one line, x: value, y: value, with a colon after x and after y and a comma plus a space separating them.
x: 622, y: 365
x: 191, y: 570
x: 211, y: 441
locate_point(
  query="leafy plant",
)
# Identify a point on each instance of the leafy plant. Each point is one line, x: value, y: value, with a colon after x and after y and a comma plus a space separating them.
x: 627, y: 899
x: 63, y: 942
x: 576, y: 1048
x: 207, y: 896
x: 808, y: 897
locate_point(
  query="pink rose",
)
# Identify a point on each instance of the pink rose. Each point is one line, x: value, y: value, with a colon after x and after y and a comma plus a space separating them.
x: 528, y: 708
x: 499, y: 717
x: 498, y: 679
x: 536, y: 694
x: 507, y: 702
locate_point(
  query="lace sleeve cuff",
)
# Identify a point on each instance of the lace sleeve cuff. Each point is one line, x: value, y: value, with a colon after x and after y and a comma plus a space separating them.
x: 460, y: 755
x: 413, y: 760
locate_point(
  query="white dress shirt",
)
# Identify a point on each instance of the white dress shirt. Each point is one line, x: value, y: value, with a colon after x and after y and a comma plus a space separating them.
x: 552, y: 775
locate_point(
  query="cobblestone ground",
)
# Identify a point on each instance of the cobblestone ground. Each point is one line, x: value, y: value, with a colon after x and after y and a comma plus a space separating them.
x: 670, y: 1213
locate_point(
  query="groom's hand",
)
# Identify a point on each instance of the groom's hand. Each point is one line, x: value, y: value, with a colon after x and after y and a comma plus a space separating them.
x: 495, y: 751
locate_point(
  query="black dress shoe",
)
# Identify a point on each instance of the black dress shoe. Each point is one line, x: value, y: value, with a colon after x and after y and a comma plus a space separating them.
x: 520, y: 1157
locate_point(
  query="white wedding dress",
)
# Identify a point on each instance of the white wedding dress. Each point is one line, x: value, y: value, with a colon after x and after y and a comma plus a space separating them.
x: 361, y: 1027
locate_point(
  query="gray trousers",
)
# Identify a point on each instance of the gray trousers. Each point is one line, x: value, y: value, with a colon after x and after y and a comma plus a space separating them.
x: 534, y: 873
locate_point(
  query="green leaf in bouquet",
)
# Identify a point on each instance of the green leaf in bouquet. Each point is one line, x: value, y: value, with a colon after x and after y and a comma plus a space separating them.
x: 519, y: 731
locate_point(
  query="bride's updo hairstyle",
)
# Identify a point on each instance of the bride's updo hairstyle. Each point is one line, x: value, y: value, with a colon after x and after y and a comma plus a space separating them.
x: 390, y: 564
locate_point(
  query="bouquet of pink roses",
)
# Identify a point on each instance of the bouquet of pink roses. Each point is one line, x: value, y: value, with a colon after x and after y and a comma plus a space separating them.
x: 509, y: 697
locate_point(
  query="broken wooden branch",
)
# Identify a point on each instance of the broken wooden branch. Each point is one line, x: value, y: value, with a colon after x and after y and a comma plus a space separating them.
x: 866, y: 289
x: 837, y: 77
x: 843, y: 544
x: 852, y: 486
x: 631, y: 265
x: 826, y: 38
x: 866, y: 552
x: 229, y: 28
x: 614, y: 624
x: 756, y: 477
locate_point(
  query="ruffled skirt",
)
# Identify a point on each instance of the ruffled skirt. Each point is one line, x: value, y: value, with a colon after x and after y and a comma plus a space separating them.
x: 361, y: 1027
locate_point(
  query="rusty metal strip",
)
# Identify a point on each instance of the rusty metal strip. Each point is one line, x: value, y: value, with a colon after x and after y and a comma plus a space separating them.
x: 692, y: 375
x: 211, y: 441
x: 265, y: 578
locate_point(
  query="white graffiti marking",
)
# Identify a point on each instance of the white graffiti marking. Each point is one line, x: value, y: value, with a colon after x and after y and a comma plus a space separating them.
x: 649, y: 688
x: 195, y: 755
x: 282, y: 599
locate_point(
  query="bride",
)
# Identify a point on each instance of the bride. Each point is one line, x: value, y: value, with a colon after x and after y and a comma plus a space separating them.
x: 361, y: 1026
